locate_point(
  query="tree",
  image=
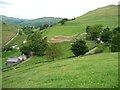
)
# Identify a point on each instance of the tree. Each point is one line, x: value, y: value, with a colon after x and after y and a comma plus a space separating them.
x: 93, y: 32
x: 39, y: 43
x: 106, y: 35
x: 63, y: 21
x: 26, y: 48
x: 35, y: 43
x: 79, y: 47
x: 115, y: 43
x: 53, y: 51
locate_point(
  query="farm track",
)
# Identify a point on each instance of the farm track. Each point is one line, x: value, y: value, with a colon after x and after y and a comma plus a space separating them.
x: 58, y: 39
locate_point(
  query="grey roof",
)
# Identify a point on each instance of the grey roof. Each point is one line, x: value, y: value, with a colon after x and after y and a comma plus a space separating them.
x: 15, y: 59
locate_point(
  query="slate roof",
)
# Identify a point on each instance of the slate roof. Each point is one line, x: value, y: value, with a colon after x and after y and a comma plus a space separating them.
x: 15, y: 59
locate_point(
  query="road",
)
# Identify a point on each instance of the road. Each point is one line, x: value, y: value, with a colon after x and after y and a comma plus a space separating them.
x: 91, y: 50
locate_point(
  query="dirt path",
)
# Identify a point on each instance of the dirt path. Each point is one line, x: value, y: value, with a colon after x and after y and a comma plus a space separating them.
x: 57, y: 39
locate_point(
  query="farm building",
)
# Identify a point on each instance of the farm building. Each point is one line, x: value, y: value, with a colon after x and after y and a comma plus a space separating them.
x: 12, y: 61
x: 15, y: 60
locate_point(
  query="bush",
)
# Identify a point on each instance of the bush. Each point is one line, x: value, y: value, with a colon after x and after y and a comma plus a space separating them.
x: 79, y: 47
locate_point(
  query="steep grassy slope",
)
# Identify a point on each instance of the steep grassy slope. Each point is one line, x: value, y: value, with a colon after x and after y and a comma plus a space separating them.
x: 94, y: 71
x: 8, y: 32
x: 107, y: 16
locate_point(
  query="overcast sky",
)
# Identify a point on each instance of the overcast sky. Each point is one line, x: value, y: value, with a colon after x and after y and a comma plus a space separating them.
x: 31, y: 9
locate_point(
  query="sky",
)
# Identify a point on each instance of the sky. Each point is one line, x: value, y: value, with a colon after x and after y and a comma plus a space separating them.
x: 31, y: 9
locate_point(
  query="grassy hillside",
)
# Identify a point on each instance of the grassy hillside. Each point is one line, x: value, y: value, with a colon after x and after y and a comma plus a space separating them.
x: 8, y: 32
x: 93, y: 71
x: 90, y: 71
x: 107, y: 16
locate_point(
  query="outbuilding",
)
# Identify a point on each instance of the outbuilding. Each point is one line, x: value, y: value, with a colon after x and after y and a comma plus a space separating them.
x: 12, y: 61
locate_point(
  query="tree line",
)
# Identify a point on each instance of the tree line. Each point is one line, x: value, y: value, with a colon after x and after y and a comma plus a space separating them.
x: 109, y: 37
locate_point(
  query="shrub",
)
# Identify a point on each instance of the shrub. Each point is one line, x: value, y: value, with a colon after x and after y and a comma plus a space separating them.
x: 79, y: 47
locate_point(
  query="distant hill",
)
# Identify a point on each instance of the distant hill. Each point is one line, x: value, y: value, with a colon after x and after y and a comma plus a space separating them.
x: 32, y: 22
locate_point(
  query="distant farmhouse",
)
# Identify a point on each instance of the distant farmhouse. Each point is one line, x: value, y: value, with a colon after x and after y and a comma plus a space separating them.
x: 15, y: 60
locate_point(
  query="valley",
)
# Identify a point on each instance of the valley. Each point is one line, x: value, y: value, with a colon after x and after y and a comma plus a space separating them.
x: 56, y: 64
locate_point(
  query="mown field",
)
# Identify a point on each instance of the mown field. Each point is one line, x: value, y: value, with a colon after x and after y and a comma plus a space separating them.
x: 93, y: 71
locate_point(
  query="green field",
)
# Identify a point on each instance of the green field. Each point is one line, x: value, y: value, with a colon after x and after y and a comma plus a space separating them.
x: 93, y: 71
